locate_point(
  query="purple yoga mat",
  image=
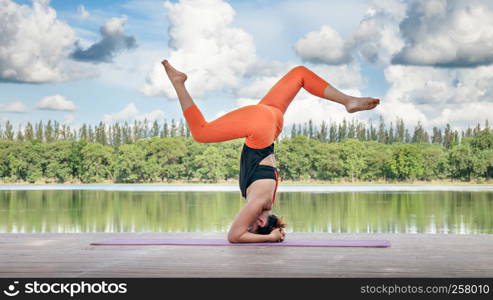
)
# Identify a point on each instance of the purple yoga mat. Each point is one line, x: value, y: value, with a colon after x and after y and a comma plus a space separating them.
x: 223, y: 242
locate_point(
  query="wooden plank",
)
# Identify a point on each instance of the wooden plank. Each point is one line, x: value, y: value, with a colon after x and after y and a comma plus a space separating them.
x: 411, y: 255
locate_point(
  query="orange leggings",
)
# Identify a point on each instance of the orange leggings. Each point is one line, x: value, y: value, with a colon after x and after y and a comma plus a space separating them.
x: 262, y: 123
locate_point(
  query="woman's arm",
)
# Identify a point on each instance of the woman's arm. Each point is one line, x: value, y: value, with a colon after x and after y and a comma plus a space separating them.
x: 238, y: 233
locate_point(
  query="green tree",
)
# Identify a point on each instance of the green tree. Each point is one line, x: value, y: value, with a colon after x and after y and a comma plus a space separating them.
x: 333, y: 133
x: 75, y: 158
x: 20, y: 135
x: 49, y: 132
x: 5, y: 150
x: 322, y: 134
x: 352, y: 155
x: 293, y: 131
x: 361, y: 132
x: 164, y: 157
x: 57, y: 158
x: 83, y: 134
x: 209, y: 165
x: 437, y: 136
x: 126, y: 134
x: 405, y: 162
x: 9, y: 131
x: 326, y: 162
x: 450, y: 138
x: 193, y: 149
x: 155, y: 129
x: 382, y: 134
x: 130, y: 164
x: 181, y: 128
x: 101, y: 137
x: 435, y: 162
x: 483, y: 140
x: 462, y: 161
x: 97, y: 162
x: 231, y: 152
x: 293, y: 159
x: 173, y: 129
x: 400, y: 131
x: 165, y: 131
x: 376, y: 159
x: 29, y: 132
x: 342, y: 132
x: 116, y: 135
x: 25, y: 162
x: 420, y: 135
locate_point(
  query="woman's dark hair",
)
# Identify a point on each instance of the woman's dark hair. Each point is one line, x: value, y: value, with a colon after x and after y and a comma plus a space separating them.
x: 272, y: 222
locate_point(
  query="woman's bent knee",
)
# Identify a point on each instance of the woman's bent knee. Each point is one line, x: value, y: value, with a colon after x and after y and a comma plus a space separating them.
x: 299, y: 69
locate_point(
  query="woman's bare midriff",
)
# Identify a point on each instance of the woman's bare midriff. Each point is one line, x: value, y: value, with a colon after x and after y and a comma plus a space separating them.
x: 269, y: 160
x: 266, y: 161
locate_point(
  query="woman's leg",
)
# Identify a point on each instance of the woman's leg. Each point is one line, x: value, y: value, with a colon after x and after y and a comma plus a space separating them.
x: 284, y: 91
x: 252, y: 122
x: 258, y: 125
x: 178, y: 79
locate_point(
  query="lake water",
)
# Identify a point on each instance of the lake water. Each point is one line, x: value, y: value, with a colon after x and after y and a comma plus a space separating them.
x: 211, y: 208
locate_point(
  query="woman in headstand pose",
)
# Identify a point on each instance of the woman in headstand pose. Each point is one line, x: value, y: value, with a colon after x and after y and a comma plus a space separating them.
x: 260, y: 125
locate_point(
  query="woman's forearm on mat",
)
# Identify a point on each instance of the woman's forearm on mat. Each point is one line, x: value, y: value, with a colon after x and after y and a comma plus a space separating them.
x: 249, y: 237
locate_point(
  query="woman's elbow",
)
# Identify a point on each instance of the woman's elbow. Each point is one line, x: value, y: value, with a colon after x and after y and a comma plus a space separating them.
x: 233, y: 238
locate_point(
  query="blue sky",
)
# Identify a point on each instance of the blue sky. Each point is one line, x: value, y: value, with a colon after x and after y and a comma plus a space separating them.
x: 86, y: 61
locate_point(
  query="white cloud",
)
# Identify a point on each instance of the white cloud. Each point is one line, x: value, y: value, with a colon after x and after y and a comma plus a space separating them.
x: 130, y: 113
x: 465, y: 114
x: 437, y: 96
x: 344, y: 77
x: 377, y: 38
x: 214, y: 54
x: 447, y: 33
x: 408, y: 111
x: 56, y: 102
x: 442, y: 33
x: 324, y: 46
x: 13, y: 107
x: 34, y: 44
x: 276, y: 25
x: 419, y: 84
x: 82, y: 12
x: 436, y: 57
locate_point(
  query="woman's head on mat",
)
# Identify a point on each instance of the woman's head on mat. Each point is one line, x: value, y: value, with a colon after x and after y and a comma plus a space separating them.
x: 266, y: 222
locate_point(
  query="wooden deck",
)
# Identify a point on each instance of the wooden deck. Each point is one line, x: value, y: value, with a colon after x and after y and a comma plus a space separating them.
x: 411, y: 255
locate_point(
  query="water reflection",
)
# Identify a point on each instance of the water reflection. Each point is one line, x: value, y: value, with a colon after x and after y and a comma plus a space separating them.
x: 342, y: 212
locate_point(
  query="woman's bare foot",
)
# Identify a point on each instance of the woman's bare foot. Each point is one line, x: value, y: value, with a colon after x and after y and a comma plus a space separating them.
x: 174, y: 75
x: 355, y: 104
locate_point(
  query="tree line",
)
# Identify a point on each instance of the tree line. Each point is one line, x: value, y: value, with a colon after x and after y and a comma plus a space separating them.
x: 140, y: 152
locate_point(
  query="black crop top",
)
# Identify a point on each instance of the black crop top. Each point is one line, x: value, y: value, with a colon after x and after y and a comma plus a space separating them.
x: 250, y: 158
